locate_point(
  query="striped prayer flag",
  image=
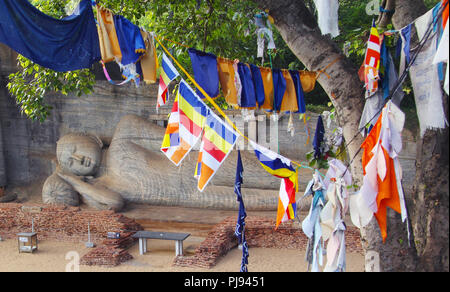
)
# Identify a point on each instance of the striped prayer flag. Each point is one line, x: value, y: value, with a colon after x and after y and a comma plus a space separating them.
x: 171, y: 139
x: 168, y: 73
x: 281, y: 167
x: 217, y: 142
x: 372, y: 61
x: 185, y: 124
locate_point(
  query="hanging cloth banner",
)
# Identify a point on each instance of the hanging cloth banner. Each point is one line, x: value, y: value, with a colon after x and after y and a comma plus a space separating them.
x: 308, y: 80
x: 374, y: 103
x: 311, y: 224
x: 299, y: 91
x: 382, y: 186
x: 149, y: 62
x: 263, y: 32
x: 403, y: 47
x: 205, y: 70
x: 185, y: 124
x: 372, y: 61
x: 248, y: 95
x: 240, y: 225
x: 281, y: 167
x: 425, y: 81
x: 131, y: 43
x: 62, y: 45
x: 289, y: 104
x: 259, y: 85
x: 328, y: 18
x: 333, y: 214
x: 109, y: 44
x: 226, y: 79
x: 217, y: 142
x: 279, y: 85
x: 318, y: 138
x: 167, y: 75
x: 266, y: 74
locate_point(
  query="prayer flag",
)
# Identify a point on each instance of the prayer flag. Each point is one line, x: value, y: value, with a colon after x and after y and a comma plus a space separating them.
x: 372, y: 61
x: 66, y: 44
x: 281, y: 167
x: 279, y: 85
x: 248, y: 95
x: 185, y: 124
x: 259, y: 85
x: 206, y: 73
x: 168, y: 73
x: 172, y: 135
x: 240, y: 226
x: 299, y: 91
x: 132, y: 45
x: 289, y: 103
x: 382, y: 186
x: 318, y: 138
x: 217, y: 142
x: 237, y: 189
x: 227, y: 78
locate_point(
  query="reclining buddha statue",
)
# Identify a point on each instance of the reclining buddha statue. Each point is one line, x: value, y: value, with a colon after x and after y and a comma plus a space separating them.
x: 133, y: 169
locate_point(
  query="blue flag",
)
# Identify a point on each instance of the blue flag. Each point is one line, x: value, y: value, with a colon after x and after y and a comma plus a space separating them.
x: 406, y: 34
x: 239, y: 231
x: 318, y: 138
x: 66, y: 44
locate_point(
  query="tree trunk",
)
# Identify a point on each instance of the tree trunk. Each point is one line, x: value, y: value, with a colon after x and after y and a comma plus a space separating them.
x: 300, y: 31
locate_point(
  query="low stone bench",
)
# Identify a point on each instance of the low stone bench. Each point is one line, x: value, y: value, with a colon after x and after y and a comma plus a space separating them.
x: 177, y: 237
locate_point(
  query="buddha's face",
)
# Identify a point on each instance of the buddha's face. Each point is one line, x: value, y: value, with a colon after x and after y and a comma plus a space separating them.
x: 81, y: 155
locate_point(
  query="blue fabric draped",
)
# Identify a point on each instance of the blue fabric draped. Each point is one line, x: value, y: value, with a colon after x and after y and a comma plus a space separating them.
x: 248, y: 95
x: 205, y: 70
x: 62, y: 45
x: 299, y: 91
x: 259, y: 85
x: 237, y: 189
x: 385, y: 64
x: 406, y: 33
x: 131, y: 43
x: 398, y: 48
x: 279, y: 88
x: 240, y: 225
x: 318, y: 138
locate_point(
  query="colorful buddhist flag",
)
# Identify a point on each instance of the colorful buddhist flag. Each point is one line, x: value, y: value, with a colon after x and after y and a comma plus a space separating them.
x: 185, y: 124
x: 217, y: 142
x: 281, y: 167
x: 372, y: 61
x: 171, y: 139
x: 168, y: 74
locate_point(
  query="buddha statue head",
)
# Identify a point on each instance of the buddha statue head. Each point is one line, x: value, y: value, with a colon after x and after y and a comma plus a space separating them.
x: 80, y: 154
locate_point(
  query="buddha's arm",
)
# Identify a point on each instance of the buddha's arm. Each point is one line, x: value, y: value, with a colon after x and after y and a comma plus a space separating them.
x: 100, y: 197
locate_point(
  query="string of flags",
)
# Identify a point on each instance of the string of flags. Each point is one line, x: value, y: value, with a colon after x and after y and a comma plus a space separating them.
x: 382, y: 185
x: 110, y: 37
x: 426, y: 72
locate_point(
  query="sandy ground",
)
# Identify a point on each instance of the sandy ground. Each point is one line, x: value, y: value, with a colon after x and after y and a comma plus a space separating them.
x: 53, y: 256
x: 62, y: 257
